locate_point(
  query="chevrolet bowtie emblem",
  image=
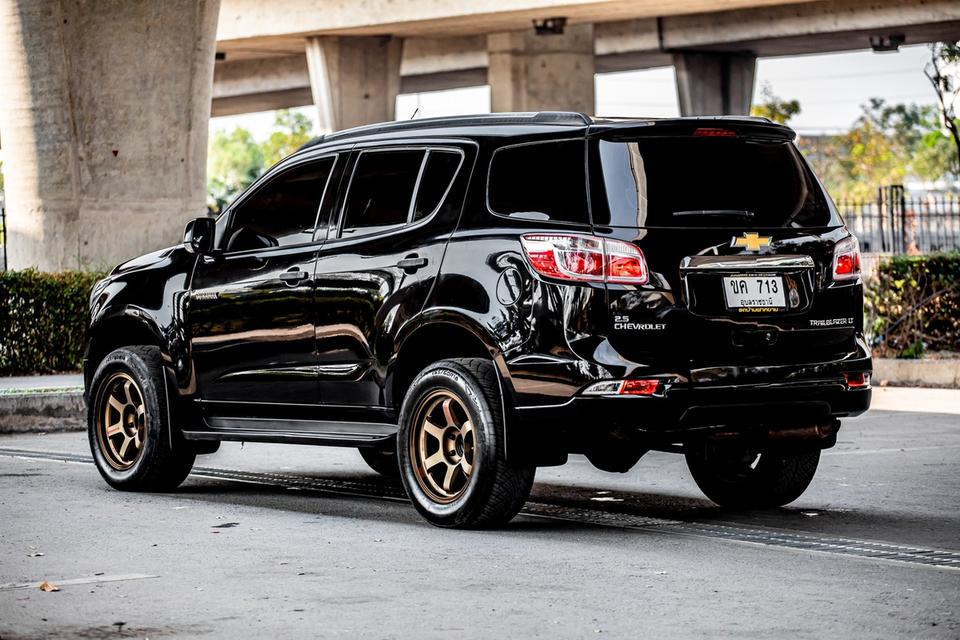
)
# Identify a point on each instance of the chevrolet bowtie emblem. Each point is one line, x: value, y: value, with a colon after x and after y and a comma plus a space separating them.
x: 750, y: 241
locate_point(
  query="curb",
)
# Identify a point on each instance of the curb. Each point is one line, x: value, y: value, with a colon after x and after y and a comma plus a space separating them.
x: 944, y: 373
x: 32, y: 410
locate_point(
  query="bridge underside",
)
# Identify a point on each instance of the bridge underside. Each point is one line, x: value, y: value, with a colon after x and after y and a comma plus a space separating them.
x: 269, y: 72
x: 105, y: 105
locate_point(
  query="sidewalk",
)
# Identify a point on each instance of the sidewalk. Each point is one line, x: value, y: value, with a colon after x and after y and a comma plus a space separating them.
x: 915, y: 399
x: 42, y: 403
x: 33, y: 384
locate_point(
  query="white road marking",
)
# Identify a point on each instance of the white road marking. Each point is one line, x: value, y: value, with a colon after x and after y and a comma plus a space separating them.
x: 862, y: 452
x: 74, y: 581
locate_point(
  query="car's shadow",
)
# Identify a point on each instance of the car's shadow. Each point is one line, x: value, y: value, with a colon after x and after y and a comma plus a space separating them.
x: 577, y: 508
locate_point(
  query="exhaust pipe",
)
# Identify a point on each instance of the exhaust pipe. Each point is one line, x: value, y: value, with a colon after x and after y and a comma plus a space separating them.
x: 808, y: 432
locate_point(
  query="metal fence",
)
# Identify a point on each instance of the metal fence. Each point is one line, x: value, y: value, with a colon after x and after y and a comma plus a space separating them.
x: 3, y: 236
x: 897, y: 223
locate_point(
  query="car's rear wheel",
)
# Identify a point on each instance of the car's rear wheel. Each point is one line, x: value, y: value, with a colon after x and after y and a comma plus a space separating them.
x: 451, y: 447
x: 383, y: 460
x: 129, y: 425
x: 743, y: 477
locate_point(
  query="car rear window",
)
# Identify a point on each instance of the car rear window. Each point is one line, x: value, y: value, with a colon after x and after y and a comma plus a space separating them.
x: 707, y: 181
x: 540, y: 181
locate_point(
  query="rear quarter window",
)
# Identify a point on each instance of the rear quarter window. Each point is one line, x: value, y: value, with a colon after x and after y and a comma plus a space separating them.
x: 688, y: 181
x: 540, y: 181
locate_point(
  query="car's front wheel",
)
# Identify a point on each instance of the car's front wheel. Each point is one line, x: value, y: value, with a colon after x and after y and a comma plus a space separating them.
x: 451, y: 447
x: 129, y: 425
x: 747, y: 478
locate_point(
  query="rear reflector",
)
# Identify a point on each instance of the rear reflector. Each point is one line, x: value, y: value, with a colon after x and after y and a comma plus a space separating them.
x: 640, y: 387
x: 643, y: 387
x: 585, y: 258
x: 857, y: 380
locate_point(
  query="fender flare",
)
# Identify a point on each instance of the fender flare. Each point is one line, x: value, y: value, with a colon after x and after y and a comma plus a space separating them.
x: 433, y: 317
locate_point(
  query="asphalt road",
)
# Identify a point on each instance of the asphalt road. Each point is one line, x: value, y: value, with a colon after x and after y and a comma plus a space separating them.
x: 284, y: 541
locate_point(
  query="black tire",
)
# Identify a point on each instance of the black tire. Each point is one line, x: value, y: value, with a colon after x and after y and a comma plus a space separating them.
x: 743, y: 478
x: 157, y: 466
x: 495, y: 490
x: 383, y: 460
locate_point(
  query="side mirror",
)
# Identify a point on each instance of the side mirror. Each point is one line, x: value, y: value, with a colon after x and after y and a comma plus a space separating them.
x: 198, y: 235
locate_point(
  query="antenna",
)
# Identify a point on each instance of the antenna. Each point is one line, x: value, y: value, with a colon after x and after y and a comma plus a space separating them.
x: 415, y: 112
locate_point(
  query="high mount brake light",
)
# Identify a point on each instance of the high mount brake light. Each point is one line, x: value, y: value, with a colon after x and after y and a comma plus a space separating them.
x: 711, y: 132
x: 585, y: 258
x: 846, y: 259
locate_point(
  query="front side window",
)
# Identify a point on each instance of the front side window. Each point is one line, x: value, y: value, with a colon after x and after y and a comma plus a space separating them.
x: 540, y: 181
x: 381, y: 190
x: 283, y: 211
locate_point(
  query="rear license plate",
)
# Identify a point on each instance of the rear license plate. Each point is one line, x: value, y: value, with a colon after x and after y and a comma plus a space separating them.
x: 754, y: 293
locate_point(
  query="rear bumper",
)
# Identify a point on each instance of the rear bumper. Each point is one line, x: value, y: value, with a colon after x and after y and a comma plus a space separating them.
x: 689, y: 408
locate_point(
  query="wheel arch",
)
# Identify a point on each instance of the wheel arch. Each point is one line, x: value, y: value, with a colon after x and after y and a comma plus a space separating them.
x: 124, y: 328
x: 435, y: 337
x: 443, y: 335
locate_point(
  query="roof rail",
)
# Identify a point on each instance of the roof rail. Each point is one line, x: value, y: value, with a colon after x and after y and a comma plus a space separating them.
x: 569, y: 118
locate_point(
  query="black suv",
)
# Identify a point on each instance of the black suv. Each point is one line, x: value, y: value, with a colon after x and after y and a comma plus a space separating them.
x: 465, y: 299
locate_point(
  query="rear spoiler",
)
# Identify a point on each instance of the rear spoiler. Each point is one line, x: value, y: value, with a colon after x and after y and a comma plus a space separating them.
x: 719, y: 126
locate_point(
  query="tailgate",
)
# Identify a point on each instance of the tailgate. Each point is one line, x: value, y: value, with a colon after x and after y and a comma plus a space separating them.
x: 739, y: 238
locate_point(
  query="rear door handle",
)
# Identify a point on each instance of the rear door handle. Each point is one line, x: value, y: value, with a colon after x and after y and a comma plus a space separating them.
x: 412, y: 263
x: 294, y: 276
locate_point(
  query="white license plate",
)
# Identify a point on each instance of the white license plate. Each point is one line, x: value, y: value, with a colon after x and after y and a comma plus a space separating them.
x: 754, y: 292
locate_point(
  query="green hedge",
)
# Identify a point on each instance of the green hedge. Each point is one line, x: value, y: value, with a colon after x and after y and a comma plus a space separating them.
x: 42, y: 319
x: 913, y: 305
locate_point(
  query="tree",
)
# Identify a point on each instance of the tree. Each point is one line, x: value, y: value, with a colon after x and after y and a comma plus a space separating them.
x: 774, y: 108
x: 943, y: 72
x: 885, y: 145
x: 234, y: 161
x: 293, y: 130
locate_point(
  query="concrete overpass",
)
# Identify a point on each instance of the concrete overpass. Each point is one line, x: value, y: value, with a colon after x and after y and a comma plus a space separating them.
x: 265, y: 60
x: 104, y: 107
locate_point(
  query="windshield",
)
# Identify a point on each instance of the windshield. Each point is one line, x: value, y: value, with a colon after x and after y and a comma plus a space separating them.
x: 706, y: 182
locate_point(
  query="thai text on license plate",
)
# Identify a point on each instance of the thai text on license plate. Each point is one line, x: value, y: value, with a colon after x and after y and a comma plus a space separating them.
x: 750, y: 292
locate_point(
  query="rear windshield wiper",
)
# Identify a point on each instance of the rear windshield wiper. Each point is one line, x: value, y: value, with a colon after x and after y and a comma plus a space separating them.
x: 732, y: 213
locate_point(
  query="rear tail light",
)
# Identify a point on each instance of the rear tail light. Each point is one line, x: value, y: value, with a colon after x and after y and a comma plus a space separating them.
x: 857, y: 380
x: 846, y: 259
x: 640, y: 387
x: 585, y: 258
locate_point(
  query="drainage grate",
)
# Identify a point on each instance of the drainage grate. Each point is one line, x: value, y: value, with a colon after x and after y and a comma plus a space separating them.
x: 874, y: 550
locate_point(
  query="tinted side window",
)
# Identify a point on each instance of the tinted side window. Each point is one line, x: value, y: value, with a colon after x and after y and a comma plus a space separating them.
x: 437, y: 177
x: 541, y: 181
x: 283, y: 211
x: 381, y: 190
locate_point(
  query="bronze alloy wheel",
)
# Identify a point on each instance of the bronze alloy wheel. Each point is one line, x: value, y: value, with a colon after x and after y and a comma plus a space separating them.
x: 121, y: 421
x: 443, y: 446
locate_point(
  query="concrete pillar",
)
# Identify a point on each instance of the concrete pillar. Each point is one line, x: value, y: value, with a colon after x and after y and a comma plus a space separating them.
x: 354, y: 79
x: 529, y: 72
x: 104, y: 109
x: 715, y: 84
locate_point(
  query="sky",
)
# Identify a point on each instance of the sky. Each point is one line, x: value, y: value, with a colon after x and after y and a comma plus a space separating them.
x: 830, y: 88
